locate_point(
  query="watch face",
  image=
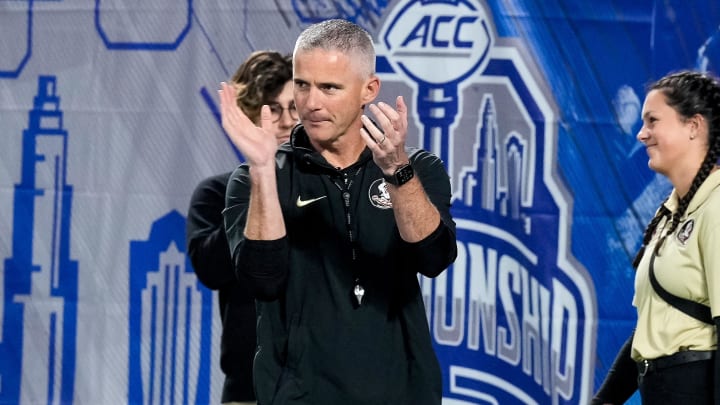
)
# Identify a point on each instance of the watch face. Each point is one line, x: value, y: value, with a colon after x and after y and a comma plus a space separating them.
x: 404, y: 174
x: 401, y: 175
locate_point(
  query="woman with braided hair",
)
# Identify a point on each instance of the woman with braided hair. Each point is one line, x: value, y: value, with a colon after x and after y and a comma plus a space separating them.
x: 670, y: 357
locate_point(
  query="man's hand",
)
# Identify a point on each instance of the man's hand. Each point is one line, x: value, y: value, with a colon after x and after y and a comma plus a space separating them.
x: 257, y: 144
x: 415, y: 215
x: 387, y: 145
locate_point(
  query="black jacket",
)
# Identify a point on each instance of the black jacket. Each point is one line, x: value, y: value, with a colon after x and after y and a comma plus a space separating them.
x: 210, y: 257
x: 315, y: 344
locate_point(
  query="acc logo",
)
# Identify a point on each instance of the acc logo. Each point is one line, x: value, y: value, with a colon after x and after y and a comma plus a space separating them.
x: 437, y: 41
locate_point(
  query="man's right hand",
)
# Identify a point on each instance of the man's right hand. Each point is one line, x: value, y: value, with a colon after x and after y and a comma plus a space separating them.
x: 257, y: 144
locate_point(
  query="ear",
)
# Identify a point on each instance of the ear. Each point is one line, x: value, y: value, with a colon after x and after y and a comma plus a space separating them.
x: 698, y: 125
x: 371, y: 89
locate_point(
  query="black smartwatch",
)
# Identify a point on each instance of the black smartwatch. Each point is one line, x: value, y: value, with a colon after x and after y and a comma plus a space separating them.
x: 401, y: 176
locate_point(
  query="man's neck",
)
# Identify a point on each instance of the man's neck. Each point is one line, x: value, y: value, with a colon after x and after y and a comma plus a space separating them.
x: 345, y: 156
x: 344, y: 152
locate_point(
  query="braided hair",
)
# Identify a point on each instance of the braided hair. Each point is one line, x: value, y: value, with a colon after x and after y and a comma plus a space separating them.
x: 689, y: 93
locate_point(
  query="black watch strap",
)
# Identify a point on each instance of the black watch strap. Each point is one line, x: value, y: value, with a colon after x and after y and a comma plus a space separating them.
x: 401, y: 176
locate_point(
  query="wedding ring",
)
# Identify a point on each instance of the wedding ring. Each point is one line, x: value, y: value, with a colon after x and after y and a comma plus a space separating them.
x: 382, y: 140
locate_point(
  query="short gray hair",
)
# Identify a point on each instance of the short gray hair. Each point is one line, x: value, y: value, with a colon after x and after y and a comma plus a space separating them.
x: 340, y: 35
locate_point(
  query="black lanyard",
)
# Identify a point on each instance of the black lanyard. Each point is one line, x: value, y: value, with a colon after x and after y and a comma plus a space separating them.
x: 691, y: 308
x: 344, y: 187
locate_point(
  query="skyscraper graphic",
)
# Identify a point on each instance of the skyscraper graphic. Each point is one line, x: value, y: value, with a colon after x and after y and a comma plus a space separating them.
x: 487, y: 158
x: 515, y: 157
x: 41, y: 281
x: 170, y: 320
x: 496, y: 184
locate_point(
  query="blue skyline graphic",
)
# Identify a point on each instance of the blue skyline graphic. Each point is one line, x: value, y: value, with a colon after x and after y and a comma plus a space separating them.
x: 41, y: 281
x: 170, y: 318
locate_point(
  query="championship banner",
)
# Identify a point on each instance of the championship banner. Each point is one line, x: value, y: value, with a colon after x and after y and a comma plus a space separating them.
x: 109, y: 119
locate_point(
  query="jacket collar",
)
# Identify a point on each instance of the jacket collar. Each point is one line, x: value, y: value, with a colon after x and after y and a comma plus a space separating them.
x: 303, y: 151
x: 701, y: 195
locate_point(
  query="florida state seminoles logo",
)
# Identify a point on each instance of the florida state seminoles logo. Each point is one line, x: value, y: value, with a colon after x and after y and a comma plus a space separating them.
x: 379, y: 195
x: 685, y: 231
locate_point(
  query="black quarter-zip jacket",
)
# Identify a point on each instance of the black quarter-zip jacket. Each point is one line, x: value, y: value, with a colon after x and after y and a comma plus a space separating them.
x: 316, y: 345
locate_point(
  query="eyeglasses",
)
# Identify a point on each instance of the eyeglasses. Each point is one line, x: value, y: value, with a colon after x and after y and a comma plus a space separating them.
x: 276, y: 111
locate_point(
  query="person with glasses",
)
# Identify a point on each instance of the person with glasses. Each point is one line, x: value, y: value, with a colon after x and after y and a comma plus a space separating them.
x: 277, y: 112
x: 263, y: 79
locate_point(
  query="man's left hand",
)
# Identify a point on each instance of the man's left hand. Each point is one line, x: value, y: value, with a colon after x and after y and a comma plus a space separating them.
x: 387, y: 143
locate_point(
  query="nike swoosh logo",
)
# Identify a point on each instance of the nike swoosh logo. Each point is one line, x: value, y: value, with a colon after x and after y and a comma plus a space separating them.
x: 301, y: 203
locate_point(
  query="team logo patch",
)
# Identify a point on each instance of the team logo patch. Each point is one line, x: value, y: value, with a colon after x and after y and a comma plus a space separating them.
x: 685, y: 231
x: 379, y: 196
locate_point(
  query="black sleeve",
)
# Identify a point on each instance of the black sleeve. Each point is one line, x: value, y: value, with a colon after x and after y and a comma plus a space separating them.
x: 432, y: 255
x: 205, y: 233
x: 621, y: 381
x: 716, y: 377
x: 262, y: 264
x: 264, y: 267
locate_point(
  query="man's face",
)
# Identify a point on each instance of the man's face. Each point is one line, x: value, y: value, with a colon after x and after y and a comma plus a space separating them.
x: 329, y: 94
